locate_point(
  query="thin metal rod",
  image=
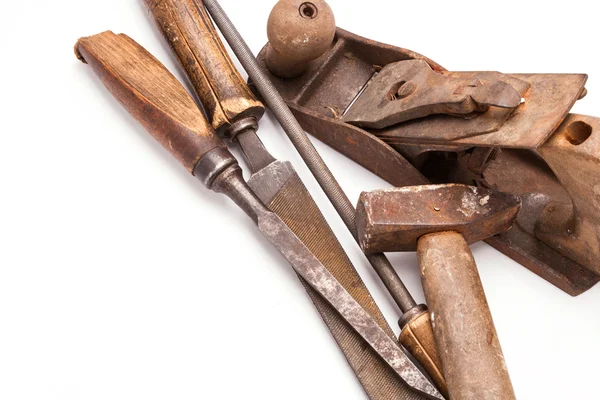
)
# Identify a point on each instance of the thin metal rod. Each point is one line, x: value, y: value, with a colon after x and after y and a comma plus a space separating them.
x: 307, y: 151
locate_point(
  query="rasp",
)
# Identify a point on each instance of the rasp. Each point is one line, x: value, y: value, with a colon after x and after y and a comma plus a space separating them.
x: 157, y: 100
x: 417, y: 333
x: 234, y: 111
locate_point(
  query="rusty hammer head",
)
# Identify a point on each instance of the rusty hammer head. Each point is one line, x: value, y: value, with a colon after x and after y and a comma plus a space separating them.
x: 394, y: 220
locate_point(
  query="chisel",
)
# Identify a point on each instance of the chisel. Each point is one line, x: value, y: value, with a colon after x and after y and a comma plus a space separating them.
x: 234, y: 112
x: 157, y: 100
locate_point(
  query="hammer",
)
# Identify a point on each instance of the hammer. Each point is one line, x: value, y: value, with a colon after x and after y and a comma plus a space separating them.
x: 440, y: 221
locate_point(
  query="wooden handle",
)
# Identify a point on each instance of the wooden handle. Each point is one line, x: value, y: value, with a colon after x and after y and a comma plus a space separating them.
x: 151, y: 94
x: 417, y: 337
x: 299, y: 32
x: 464, y: 331
x: 189, y: 31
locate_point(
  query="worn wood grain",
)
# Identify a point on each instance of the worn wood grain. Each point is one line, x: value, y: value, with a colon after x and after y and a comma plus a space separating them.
x: 189, y: 31
x: 151, y: 94
x: 464, y: 331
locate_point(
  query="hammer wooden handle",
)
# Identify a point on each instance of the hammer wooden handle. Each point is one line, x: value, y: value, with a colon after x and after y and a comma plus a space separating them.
x: 189, y: 31
x: 465, y: 335
x: 151, y: 94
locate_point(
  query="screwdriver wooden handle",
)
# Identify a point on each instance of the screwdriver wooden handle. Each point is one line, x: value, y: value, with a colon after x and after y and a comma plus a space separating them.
x: 469, y: 349
x: 151, y: 94
x: 189, y: 31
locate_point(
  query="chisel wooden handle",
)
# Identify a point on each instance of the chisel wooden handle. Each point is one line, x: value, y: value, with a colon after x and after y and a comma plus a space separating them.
x: 151, y: 94
x: 466, y: 338
x: 189, y: 31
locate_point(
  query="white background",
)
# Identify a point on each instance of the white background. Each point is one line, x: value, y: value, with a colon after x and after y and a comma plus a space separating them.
x: 121, y: 277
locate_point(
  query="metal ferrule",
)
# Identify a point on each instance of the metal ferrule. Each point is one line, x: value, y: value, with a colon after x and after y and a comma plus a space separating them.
x: 220, y: 172
x: 212, y: 164
x: 242, y: 125
x: 232, y: 184
x: 412, y: 314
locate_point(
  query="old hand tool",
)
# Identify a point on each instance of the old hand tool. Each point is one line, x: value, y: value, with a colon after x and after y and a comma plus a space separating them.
x: 439, y: 221
x: 234, y: 112
x: 158, y: 101
x: 382, y: 106
x: 417, y: 333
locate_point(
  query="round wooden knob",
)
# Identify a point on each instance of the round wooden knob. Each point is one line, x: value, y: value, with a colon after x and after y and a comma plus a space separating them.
x: 299, y: 31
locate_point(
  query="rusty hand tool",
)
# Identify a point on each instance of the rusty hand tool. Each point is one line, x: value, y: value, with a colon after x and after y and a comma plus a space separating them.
x: 234, y: 111
x: 439, y: 221
x: 418, y: 335
x: 158, y: 101
x: 523, y: 150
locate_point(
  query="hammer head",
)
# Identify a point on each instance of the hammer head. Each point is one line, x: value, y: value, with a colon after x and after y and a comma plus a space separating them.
x: 394, y: 219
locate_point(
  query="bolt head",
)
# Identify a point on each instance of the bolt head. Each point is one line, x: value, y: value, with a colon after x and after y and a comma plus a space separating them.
x: 406, y: 90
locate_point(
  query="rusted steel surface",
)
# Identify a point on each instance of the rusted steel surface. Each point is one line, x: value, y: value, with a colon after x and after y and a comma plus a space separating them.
x: 366, y: 149
x: 573, y: 228
x: 408, y: 90
x: 547, y: 102
x: 333, y: 82
x: 464, y: 330
x: 320, y: 97
x: 527, y: 175
x: 395, y: 219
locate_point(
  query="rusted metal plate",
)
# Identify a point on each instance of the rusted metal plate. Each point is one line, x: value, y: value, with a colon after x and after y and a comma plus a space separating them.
x: 367, y: 150
x: 408, y: 90
x: 548, y: 100
x: 527, y: 175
